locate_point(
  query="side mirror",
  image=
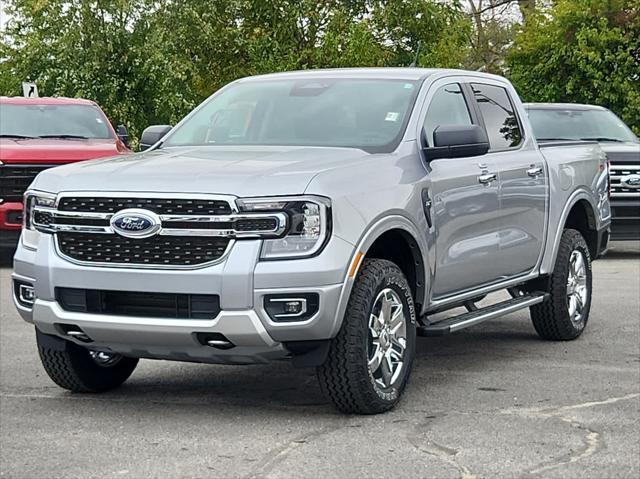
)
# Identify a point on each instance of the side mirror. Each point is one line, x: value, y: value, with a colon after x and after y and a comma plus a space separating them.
x: 153, y: 134
x: 458, y: 141
x: 123, y: 134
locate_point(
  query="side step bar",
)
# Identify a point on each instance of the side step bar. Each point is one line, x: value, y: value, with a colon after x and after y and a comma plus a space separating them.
x: 451, y: 325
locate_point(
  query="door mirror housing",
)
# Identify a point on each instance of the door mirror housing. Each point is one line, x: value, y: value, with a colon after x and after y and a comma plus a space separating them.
x: 457, y: 141
x: 123, y: 134
x: 152, y: 135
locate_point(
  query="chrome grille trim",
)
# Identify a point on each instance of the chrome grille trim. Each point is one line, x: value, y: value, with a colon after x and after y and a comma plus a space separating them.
x: 280, y: 219
x: 616, y: 173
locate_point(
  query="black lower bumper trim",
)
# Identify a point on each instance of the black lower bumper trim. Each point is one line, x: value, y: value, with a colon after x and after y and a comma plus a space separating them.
x: 9, y: 239
x: 308, y: 354
x: 139, y: 303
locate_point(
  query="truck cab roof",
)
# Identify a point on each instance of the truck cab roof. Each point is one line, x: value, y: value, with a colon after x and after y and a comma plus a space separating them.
x: 378, y: 73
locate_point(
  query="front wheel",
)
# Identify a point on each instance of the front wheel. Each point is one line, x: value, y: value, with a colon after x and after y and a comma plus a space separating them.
x: 565, y: 314
x: 370, y: 359
x: 81, y: 370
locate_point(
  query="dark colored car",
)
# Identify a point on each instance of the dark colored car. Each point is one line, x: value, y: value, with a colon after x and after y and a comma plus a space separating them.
x: 39, y: 133
x: 569, y: 121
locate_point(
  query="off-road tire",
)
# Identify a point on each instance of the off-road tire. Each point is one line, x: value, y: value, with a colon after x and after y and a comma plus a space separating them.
x: 344, y: 377
x: 551, y: 318
x: 71, y: 367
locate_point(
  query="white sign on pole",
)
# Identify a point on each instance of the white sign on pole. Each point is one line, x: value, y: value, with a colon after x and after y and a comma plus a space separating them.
x: 29, y: 90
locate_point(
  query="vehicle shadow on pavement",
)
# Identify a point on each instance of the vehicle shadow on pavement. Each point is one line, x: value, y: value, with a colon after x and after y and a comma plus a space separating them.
x: 278, y: 387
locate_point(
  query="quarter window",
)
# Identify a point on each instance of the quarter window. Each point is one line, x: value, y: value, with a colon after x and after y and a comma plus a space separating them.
x: 499, y: 116
x: 447, y: 107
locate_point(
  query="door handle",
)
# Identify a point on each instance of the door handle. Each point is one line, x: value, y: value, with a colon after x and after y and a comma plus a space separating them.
x: 487, y: 178
x: 534, y: 172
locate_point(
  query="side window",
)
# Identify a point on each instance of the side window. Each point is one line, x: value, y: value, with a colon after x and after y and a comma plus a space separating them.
x: 447, y: 107
x: 499, y: 116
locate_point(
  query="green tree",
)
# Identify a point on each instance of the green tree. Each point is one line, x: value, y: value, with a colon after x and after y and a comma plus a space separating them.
x: 585, y: 51
x: 90, y: 49
x: 151, y: 61
x: 221, y: 41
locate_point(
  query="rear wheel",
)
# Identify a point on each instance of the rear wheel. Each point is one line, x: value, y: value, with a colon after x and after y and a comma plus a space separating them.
x: 370, y: 359
x: 564, y: 316
x: 81, y: 370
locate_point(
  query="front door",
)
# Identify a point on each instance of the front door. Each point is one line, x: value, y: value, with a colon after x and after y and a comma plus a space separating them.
x: 465, y: 202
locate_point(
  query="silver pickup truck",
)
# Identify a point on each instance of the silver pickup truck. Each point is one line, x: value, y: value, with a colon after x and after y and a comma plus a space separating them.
x: 321, y: 217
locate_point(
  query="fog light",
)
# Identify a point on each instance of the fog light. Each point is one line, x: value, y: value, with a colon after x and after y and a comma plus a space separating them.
x: 294, y: 307
x: 25, y: 293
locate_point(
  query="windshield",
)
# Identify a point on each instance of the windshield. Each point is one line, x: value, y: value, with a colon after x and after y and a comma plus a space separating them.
x: 50, y: 121
x: 568, y: 124
x: 366, y: 114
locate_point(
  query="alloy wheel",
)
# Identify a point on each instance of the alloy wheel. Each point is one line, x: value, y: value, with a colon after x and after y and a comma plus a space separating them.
x: 577, y: 291
x: 387, y: 338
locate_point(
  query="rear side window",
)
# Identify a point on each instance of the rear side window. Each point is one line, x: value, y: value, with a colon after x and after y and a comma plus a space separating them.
x: 447, y: 107
x: 499, y: 116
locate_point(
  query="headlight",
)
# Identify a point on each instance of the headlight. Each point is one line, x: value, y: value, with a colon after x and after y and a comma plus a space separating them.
x: 309, y: 224
x: 31, y: 200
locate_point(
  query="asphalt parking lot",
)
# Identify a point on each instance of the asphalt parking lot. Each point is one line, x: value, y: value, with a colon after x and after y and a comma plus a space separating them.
x: 491, y: 401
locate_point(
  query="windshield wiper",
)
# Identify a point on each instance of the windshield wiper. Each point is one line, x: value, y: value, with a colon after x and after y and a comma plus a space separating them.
x: 65, y: 137
x: 22, y: 137
x: 603, y: 138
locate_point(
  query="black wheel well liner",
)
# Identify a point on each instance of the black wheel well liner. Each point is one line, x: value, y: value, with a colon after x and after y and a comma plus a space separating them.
x: 401, y: 248
x: 581, y: 217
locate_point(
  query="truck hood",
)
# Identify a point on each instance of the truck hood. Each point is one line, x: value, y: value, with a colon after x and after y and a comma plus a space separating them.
x: 54, y: 151
x: 622, y: 152
x: 240, y: 171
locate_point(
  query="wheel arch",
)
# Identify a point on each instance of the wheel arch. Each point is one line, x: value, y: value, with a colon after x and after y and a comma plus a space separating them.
x: 376, y: 242
x: 579, y: 213
x: 582, y: 217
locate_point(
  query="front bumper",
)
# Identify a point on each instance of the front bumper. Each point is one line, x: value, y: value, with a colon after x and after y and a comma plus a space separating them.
x: 625, y: 223
x: 241, y: 282
x: 10, y: 224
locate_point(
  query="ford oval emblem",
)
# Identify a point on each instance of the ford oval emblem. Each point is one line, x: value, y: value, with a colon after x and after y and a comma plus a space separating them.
x: 135, y: 223
x: 630, y: 181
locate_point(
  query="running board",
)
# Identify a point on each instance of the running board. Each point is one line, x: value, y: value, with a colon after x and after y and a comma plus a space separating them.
x: 451, y: 325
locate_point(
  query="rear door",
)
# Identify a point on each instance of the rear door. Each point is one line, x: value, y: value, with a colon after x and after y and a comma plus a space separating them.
x: 464, y: 197
x: 522, y: 176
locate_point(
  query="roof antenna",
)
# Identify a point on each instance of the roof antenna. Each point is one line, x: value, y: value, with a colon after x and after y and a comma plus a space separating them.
x: 415, y: 60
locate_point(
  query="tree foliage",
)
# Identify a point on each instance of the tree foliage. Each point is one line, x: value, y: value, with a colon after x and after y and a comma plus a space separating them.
x: 151, y: 61
x: 585, y: 51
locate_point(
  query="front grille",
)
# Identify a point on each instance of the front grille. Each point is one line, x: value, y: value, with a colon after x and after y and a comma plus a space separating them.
x: 15, y: 179
x: 157, y: 250
x: 140, y: 304
x: 620, y: 190
x: 266, y: 224
x: 42, y: 218
x: 159, y: 206
x: 190, y: 232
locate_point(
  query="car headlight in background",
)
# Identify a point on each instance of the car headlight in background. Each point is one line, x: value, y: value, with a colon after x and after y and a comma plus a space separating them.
x: 31, y: 200
x: 309, y: 224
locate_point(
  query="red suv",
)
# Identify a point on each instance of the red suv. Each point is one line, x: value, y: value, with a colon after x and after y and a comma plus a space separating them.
x: 39, y: 133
